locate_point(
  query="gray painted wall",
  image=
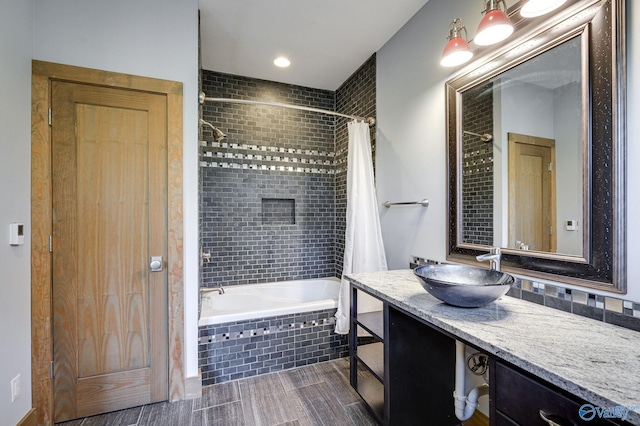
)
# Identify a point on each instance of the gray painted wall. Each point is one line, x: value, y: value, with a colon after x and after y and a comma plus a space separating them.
x: 411, y: 151
x: 151, y: 38
x: 16, y: 23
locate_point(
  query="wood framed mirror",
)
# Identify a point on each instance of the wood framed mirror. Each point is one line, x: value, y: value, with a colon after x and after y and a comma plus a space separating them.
x: 536, y: 149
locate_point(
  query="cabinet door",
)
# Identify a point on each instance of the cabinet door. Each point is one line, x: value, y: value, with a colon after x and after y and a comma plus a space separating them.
x: 421, y: 373
x: 522, y: 398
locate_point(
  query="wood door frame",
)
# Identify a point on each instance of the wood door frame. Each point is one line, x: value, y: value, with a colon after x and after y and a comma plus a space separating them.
x: 512, y: 139
x: 41, y: 222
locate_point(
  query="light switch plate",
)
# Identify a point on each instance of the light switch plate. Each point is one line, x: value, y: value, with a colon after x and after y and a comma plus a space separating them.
x: 15, y: 388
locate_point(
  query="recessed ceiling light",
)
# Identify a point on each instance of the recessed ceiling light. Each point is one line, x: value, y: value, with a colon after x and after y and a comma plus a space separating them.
x: 282, y: 62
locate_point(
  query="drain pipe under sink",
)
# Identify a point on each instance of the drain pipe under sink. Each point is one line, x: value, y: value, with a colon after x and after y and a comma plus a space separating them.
x: 465, y: 405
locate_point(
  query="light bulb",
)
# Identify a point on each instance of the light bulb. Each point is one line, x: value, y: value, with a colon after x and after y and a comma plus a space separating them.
x: 532, y: 8
x: 281, y: 62
x: 494, y: 27
x: 456, y: 52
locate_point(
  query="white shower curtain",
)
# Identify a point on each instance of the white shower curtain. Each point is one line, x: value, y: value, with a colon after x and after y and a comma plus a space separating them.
x: 363, y: 248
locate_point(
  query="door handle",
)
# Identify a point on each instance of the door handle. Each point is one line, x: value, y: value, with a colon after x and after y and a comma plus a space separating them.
x: 156, y: 264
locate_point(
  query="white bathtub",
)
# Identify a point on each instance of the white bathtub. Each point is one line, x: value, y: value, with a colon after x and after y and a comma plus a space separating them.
x: 253, y: 301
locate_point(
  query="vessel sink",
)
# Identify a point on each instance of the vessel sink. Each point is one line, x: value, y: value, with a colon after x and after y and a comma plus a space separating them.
x: 462, y: 285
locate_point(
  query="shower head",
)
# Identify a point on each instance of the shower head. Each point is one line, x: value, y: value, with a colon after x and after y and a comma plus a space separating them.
x: 218, y: 134
x: 485, y: 137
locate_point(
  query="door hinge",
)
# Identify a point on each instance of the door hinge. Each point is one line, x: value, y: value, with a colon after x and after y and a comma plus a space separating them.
x: 550, y: 164
x: 551, y: 230
x: 50, y: 243
x: 49, y: 116
x: 51, y: 370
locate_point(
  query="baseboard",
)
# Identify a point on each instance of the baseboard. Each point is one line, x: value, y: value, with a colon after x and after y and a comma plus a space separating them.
x: 193, y: 386
x: 30, y: 419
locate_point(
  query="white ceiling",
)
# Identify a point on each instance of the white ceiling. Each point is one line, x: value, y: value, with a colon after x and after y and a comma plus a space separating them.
x: 326, y: 40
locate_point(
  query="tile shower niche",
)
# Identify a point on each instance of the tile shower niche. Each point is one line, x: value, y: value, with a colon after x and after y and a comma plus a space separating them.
x: 278, y: 211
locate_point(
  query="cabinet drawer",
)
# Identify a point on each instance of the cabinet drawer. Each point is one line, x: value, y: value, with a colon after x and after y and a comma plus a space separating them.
x: 521, y: 398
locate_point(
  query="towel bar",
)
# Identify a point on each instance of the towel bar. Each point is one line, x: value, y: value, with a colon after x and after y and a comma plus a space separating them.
x: 424, y: 203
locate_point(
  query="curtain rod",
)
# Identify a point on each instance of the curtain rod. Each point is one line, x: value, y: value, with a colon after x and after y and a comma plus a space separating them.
x: 203, y: 99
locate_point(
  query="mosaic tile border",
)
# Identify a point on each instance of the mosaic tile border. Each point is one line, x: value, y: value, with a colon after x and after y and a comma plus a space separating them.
x: 274, y: 329
x: 245, y: 166
x: 264, y: 148
x: 481, y: 165
x: 262, y: 157
x: 612, y: 310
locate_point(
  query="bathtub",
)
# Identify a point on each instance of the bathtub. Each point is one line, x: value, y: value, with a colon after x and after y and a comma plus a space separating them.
x: 253, y: 301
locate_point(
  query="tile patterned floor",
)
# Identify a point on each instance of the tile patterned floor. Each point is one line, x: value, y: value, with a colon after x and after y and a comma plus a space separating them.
x: 317, y: 394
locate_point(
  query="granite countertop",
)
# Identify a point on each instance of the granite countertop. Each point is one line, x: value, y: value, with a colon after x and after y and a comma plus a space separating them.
x: 595, y: 361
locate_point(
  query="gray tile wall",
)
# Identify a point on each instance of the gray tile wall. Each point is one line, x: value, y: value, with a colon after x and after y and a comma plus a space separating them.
x: 277, y: 154
x: 247, y: 348
x: 612, y: 310
x: 269, y: 154
x: 477, y: 167
x: 249, y: 246
x: 356, y: 96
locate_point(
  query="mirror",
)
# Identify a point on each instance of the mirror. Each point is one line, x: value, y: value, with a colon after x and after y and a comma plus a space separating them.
x: 536, y: 149
x: 522, y: 144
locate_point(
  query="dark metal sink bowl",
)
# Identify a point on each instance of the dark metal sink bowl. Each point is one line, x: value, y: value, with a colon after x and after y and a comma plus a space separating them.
x: 462, y: 285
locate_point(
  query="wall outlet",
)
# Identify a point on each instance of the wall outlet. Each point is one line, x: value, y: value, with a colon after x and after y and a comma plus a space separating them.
x: 15, y: 388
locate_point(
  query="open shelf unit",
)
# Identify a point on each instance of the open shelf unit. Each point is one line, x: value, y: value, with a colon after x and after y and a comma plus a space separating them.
x: 367, y: 356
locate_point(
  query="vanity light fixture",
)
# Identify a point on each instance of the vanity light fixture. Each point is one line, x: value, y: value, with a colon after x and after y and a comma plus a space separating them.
x: 281, y: 62
x: 457, y: 50
x: 495, y: 26
x: 532, y: 8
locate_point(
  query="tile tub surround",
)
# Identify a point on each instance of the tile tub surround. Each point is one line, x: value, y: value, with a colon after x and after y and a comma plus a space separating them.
x: 277, y: 153
x: 247, y: 245
x: 595, y: 361
x: 243, y: 349
x: 269, y: 154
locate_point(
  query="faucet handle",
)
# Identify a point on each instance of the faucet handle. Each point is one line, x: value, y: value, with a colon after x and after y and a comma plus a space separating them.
x: 494, y: 255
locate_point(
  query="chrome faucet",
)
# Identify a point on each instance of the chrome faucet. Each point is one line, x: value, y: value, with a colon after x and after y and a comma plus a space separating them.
x: 219, y: 289
x: 493, y: 257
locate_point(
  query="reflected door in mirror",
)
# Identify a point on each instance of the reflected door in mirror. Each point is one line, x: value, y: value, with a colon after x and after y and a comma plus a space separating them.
x: 532, y: 195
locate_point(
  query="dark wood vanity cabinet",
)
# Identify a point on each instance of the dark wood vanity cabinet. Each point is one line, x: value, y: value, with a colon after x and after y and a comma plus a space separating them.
x: 404, y: 369
x: 421, y: 373
x: 519, y: 399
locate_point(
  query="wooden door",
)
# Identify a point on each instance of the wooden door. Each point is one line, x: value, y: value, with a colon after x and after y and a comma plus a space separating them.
x: 532, y: 200
x: 109, y: 185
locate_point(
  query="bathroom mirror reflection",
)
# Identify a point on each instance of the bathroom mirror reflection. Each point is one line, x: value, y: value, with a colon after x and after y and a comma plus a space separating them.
x: 536, y: 143
x: 522, y: 145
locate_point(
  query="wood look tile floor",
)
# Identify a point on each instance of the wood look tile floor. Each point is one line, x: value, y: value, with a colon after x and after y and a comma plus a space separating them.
x: 317, y: 394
